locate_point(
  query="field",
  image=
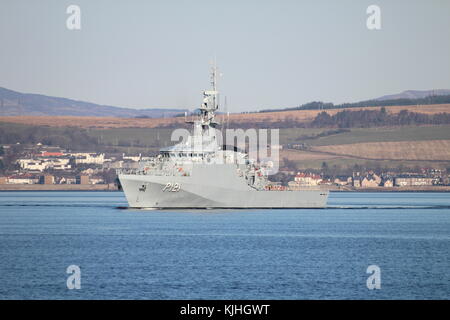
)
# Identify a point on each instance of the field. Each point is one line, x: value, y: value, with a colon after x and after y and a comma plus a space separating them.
x: 133, y: 137
x: 406, y: 133
x: 308, y: 115
x: 110, y: 122
x: 432, y: 150
x: 411, y: 146
x: 91, y: 122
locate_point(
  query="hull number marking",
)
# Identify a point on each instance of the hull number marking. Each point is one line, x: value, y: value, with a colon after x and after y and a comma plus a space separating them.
x: 171, y: 187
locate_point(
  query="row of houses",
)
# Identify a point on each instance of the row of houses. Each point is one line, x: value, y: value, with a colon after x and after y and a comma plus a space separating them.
x: 306, y: 180
x: 28, y: 178
x: 58, y: 159
x: 44, y: 164
x: 369, y: 180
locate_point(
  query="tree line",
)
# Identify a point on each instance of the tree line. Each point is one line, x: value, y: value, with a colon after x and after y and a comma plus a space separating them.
x: 376, y: 118
x: 320, y: 105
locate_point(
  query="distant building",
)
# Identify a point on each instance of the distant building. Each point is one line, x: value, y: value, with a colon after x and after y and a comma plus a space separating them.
x: 306, y: 180
x: 328, y: 182
x: 114, y: 165
x: 445, y: 180
x: 356, y: 179
x: 67, y: 180
x: 32, y: 165
x: 60, y: 164
x: 88, y: 172
x: 83, y: 179
x: 96, y: 180
x: 89, y: 158
x: 47, y: 179
x: 22, y: 179
x: 3, y: 180
x: 50, y: 154
x: 371, y: 180
x: 388, y: 183
x: 406, y: 181
x: 132, y: 158
x: 44, y: 164
x: 356, y: 182
x: 343, y: 181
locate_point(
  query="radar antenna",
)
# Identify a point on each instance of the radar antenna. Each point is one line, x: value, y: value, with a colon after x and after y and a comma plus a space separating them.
x: 210, y: 101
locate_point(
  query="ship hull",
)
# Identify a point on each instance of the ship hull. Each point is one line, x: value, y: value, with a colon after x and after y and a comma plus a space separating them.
x: 159, y: 192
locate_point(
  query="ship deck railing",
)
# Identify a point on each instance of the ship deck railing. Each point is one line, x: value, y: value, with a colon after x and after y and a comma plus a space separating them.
x: 150, y: 172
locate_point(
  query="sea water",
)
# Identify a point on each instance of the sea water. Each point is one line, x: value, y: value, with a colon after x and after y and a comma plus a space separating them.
x: 224, y: 254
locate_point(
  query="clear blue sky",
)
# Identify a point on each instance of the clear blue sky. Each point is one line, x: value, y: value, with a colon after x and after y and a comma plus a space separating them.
x: 271, y: 53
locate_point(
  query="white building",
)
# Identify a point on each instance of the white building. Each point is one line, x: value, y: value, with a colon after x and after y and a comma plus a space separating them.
x: 21, y: 180
x: 60, y: 164
x: 89, y: 158
x: 114, y: 165
x: 43, y: 164
x: 32, y: 164
x: 68, y: 180
x: 132, y: 158
x: 96, y: 180
x: 307, y: 179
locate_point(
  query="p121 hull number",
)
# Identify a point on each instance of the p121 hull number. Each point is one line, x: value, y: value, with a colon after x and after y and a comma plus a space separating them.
x: 171, y: 187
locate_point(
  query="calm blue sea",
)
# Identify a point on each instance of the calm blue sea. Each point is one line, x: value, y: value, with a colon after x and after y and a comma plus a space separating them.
x: 224, y: 254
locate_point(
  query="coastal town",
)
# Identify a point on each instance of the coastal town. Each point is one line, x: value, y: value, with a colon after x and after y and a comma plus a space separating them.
x: 54, y: 168
x: 43, y: 167
x: 371, y: 180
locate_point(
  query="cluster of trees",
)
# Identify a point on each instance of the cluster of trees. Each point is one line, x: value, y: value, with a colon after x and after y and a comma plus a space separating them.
x: 397, y: 102
x: 9, y: 157
x: 350, y: 119
x: 314, y: 105
x: 318, y: 105
x: 374, y: 118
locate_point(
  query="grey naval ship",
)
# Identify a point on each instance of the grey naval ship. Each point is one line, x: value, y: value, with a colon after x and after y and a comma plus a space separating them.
x: 187, y: 174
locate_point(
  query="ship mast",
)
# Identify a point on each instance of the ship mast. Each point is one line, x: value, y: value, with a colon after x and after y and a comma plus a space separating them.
x: 210, y: 102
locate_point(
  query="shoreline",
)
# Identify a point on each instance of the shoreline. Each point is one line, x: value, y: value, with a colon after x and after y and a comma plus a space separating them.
x: 393, y: 189
x: 58, y: 187
x: 112, y: 187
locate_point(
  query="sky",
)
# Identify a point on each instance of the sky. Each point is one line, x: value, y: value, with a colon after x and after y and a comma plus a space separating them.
x: 272, y: 54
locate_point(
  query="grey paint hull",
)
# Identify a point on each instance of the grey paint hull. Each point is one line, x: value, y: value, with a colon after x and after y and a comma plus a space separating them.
x: 144, y: 191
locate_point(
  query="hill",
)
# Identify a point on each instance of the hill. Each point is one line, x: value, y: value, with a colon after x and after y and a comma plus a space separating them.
x: 415, y: 94
x: 13, y: 103
x: 407, y: 98
x: 278, y: 119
